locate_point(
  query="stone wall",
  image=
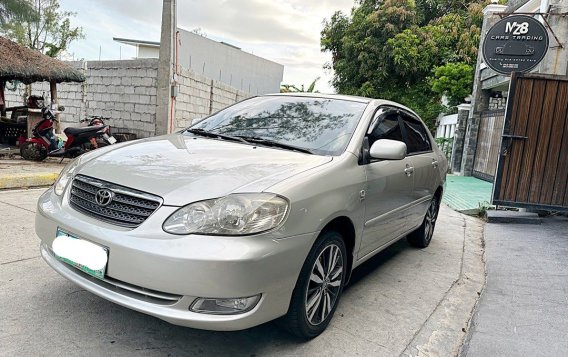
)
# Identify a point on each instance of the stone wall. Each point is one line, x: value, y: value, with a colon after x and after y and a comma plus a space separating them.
x: 459, y: 138
x: 497, y: 103
x: 126, y: 91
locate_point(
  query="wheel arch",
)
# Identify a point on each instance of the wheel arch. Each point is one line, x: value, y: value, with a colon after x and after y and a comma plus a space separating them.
x: 344, y: 226
x: 439, y: 192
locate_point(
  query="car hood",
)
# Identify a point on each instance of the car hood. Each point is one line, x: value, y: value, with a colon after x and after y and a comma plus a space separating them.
x: 184, y: 169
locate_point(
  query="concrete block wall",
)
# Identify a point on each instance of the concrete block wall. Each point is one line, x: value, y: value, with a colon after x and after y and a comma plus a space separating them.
x: 126, y: 92
x: 122, y: 90
x: 193, y: 100
x: 199, y: 96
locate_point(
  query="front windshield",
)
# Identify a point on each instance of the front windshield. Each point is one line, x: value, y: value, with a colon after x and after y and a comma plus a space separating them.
x: 321, y: 125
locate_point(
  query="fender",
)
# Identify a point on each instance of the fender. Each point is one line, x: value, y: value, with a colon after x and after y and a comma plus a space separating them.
x: 38, y: 141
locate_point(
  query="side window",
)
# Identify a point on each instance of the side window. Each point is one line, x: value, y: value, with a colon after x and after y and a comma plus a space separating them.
x: 417, y: 139
x: 386, y: 127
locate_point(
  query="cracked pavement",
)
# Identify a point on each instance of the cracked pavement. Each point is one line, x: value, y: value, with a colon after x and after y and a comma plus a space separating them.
x: 404, y: 301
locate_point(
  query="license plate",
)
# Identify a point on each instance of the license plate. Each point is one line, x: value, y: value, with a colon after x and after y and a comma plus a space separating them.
x: 111, y: 139
x: 88, y: 257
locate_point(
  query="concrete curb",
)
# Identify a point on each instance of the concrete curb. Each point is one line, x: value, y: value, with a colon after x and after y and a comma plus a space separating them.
x: 25, y: 180
x: 513, y: 217
x: 445, y: 331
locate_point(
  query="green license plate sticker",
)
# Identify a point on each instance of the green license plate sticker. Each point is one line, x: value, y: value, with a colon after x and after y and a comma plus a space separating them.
x: 81, y: 254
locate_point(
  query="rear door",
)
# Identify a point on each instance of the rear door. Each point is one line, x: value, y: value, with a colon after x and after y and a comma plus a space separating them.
x: 425, y: 164
x: 389, y: 187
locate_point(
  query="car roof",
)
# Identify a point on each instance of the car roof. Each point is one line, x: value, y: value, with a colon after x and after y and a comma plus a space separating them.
x: 323, y: 95
x: 352, y: 98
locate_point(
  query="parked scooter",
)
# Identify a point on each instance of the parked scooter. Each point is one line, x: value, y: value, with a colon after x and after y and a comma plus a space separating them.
x: 45, y: 143
x: 96, y: 120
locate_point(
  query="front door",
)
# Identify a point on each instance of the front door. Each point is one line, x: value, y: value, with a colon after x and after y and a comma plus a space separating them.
x: 425, y: 164
x: 389, y: 188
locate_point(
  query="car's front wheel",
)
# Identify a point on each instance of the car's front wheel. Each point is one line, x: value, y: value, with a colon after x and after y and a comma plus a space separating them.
x: 318, y: 288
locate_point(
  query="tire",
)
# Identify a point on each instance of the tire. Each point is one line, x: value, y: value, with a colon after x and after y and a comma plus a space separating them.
x: 316, y: 279
x: 422, y: 237
x: 33, y: 151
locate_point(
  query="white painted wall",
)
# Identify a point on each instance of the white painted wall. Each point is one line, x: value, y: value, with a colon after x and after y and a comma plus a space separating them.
x: 229, y: 65
x: 223, y: 63
x: 144, y: 51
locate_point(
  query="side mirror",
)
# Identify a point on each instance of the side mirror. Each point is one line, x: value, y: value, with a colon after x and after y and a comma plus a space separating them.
x: 387, y: 149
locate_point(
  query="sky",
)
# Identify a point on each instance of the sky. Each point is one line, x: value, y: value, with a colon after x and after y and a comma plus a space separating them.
x: 285, y: 31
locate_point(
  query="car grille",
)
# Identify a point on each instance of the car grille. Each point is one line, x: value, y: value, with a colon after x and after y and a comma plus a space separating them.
x: 128, y: 207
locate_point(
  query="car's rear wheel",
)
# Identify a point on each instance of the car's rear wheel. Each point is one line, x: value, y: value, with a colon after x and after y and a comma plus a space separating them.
x: 318, y: 288
x: 422, y: 237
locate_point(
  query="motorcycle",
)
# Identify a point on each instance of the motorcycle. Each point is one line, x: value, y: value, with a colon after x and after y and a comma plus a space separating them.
x: 95, y: 120
x: 44, y: 143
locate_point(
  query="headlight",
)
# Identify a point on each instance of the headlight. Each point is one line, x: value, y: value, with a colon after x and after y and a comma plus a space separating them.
x: 238, y: 214
x: 64, y: 177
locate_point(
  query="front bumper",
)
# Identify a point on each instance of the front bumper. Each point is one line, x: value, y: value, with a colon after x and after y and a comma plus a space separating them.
x: 162, y: 274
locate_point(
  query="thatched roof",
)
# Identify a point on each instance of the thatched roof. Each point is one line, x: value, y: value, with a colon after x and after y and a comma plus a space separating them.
x: 21, y: 63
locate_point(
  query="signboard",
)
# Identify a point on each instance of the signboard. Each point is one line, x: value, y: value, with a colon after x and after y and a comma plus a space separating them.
x: 515, y: 44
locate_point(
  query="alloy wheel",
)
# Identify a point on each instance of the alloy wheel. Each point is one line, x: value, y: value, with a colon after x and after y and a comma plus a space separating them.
x: 324, y: 284
x: 430, y: 219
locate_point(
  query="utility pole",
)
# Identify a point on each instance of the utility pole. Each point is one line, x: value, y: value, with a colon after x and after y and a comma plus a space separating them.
x: 165, y: 67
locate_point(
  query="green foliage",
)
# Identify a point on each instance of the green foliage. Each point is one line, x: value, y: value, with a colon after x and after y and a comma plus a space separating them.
x: 454, y: 80
x: 290, y: 88
x: 446, y: 145
x: 49, y: 33
x: 389, y: 48
x: 419, y: 98
x: 312, y: 85
x: 483, y: 208
x: 18, y: 10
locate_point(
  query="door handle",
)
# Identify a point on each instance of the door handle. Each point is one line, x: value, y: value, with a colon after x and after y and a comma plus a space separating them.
x: 435, y: 163
x: 409, y: 170
x: 506, y: 146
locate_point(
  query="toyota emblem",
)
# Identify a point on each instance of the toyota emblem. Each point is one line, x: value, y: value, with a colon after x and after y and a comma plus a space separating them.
x: 104, y: 197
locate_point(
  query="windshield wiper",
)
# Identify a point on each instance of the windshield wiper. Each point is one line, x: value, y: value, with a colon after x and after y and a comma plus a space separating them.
x: 268, y: 142
x: 210, y: 134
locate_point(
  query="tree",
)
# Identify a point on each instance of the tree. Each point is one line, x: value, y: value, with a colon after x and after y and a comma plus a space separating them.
x: 454, y: 80
x: 17, y: 10
x: 389, y: 48
x: 49, y: 33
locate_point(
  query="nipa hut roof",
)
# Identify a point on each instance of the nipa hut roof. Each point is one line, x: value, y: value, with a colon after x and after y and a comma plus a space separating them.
x: 27, y: 66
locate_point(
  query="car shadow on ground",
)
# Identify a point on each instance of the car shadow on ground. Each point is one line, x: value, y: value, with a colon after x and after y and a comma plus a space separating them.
x: 127, y: 331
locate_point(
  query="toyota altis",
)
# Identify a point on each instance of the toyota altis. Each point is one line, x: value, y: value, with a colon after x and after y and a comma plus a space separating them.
x: 258, y: 212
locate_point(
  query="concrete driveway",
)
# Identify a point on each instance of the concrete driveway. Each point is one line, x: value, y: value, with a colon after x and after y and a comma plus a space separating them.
x: 523, y: 310
x: 405, y: 301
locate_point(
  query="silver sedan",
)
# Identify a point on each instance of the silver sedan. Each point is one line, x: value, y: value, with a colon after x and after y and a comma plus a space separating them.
x: 257, y: 212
